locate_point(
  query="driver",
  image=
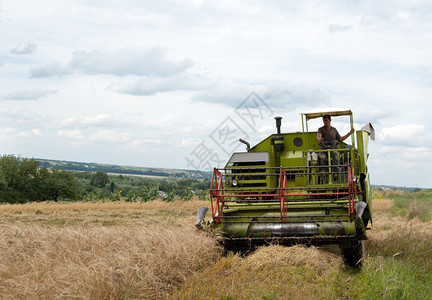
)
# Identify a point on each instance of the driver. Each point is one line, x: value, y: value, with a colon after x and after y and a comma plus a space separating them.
x: 329, y: 138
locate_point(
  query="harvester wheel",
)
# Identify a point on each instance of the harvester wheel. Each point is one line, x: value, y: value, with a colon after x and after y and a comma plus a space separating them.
x: 353, y: 255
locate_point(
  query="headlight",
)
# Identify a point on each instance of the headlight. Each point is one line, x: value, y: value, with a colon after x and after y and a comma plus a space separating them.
x: 235, y: 182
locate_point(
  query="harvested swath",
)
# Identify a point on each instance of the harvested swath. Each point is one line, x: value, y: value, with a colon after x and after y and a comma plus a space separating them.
x: 298, y: 255
x: 100, y: 262
x: 273, y: 272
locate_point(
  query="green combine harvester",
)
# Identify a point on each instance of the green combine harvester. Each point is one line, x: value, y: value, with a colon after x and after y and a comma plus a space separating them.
x: 278, y: 192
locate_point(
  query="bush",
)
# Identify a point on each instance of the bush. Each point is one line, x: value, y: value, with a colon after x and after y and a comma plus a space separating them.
x: 144, y: 195
x: 115, y: 196
x: 170, y: 196
x: 204, y: 195
x: 187, y: 194
x: 100, y: 179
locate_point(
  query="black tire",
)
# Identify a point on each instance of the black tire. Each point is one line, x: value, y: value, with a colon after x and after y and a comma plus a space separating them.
x: 353, y: 255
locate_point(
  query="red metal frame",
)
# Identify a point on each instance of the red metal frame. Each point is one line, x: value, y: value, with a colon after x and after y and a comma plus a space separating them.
x: 282, y: 184
x: 352, y: 190
x: 217, y: 191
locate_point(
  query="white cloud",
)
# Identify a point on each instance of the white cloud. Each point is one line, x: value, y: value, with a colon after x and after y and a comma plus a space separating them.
x: 122, y: 62
x: 24, y: 50
x: 86, y: 121
x: 419, y: 153
x: 387, y: 149
x: 276, y: 95
x: 55, y: 69
x: 189, y: 142
x: 402, y: 133
x: 283, y: 95
x: 376, y: 115
x: 8, y: 130
x: 74, y: 134
x: 151, y: 141
x: 110, y: 136
x: 26, y: 95
x: 31, y: 133
x: 150, y: 62
x: 338, y: 28
x: 152, y: 85
x: 266, y: 129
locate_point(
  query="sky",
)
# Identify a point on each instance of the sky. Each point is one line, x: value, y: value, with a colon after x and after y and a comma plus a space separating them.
x: 175, y: 84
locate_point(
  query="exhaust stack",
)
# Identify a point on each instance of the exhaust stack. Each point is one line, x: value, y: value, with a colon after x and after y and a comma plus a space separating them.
x: 246, y: 143
x: 278, y: 140
x: 278, y: 124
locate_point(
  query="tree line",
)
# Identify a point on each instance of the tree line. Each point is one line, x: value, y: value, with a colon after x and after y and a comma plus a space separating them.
x: 21, y: 180
x: 24, y: 180
x: 125, y: 170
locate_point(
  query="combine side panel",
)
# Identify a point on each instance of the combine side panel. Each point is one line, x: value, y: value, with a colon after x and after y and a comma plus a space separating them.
x: 362, y: 142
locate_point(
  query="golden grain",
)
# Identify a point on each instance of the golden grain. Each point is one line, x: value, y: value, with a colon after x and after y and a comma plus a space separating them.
x: 97, y: 262
x: 382, y: 205
x: 120, y: 250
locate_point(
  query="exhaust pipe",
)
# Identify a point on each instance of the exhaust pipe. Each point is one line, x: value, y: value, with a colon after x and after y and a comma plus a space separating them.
x: 246, y: 143
x: 278, y: 124
x: 278, y: 140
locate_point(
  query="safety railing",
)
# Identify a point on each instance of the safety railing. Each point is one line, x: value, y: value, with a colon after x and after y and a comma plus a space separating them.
x: 330, y: 166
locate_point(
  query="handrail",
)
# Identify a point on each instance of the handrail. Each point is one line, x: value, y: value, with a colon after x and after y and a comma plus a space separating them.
x: 282, y: 183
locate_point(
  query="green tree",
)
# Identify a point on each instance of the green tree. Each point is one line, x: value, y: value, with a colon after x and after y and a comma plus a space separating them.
x: 99, y: 179
x: 18, y: 179
x: 22, y: 180
x: 56, y: 184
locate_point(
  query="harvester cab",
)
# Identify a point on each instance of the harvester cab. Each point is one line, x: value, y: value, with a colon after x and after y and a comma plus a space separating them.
x: 279, y: 191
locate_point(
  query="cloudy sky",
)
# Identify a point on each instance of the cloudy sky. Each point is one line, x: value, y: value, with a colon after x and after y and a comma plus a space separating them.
x: 174, y: 84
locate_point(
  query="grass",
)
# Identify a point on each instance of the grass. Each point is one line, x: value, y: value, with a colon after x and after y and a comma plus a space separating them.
x: 398, y: 263
x: 412, y: 204
x: 119, y: 250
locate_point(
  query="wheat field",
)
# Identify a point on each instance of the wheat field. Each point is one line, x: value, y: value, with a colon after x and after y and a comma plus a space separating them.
x: 119, y: 250
x: 100, y: 250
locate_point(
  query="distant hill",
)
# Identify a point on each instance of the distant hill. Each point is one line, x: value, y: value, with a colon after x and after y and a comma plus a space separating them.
x: 161, y: 172
x: 399, y: 188
x: 126, y: 170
